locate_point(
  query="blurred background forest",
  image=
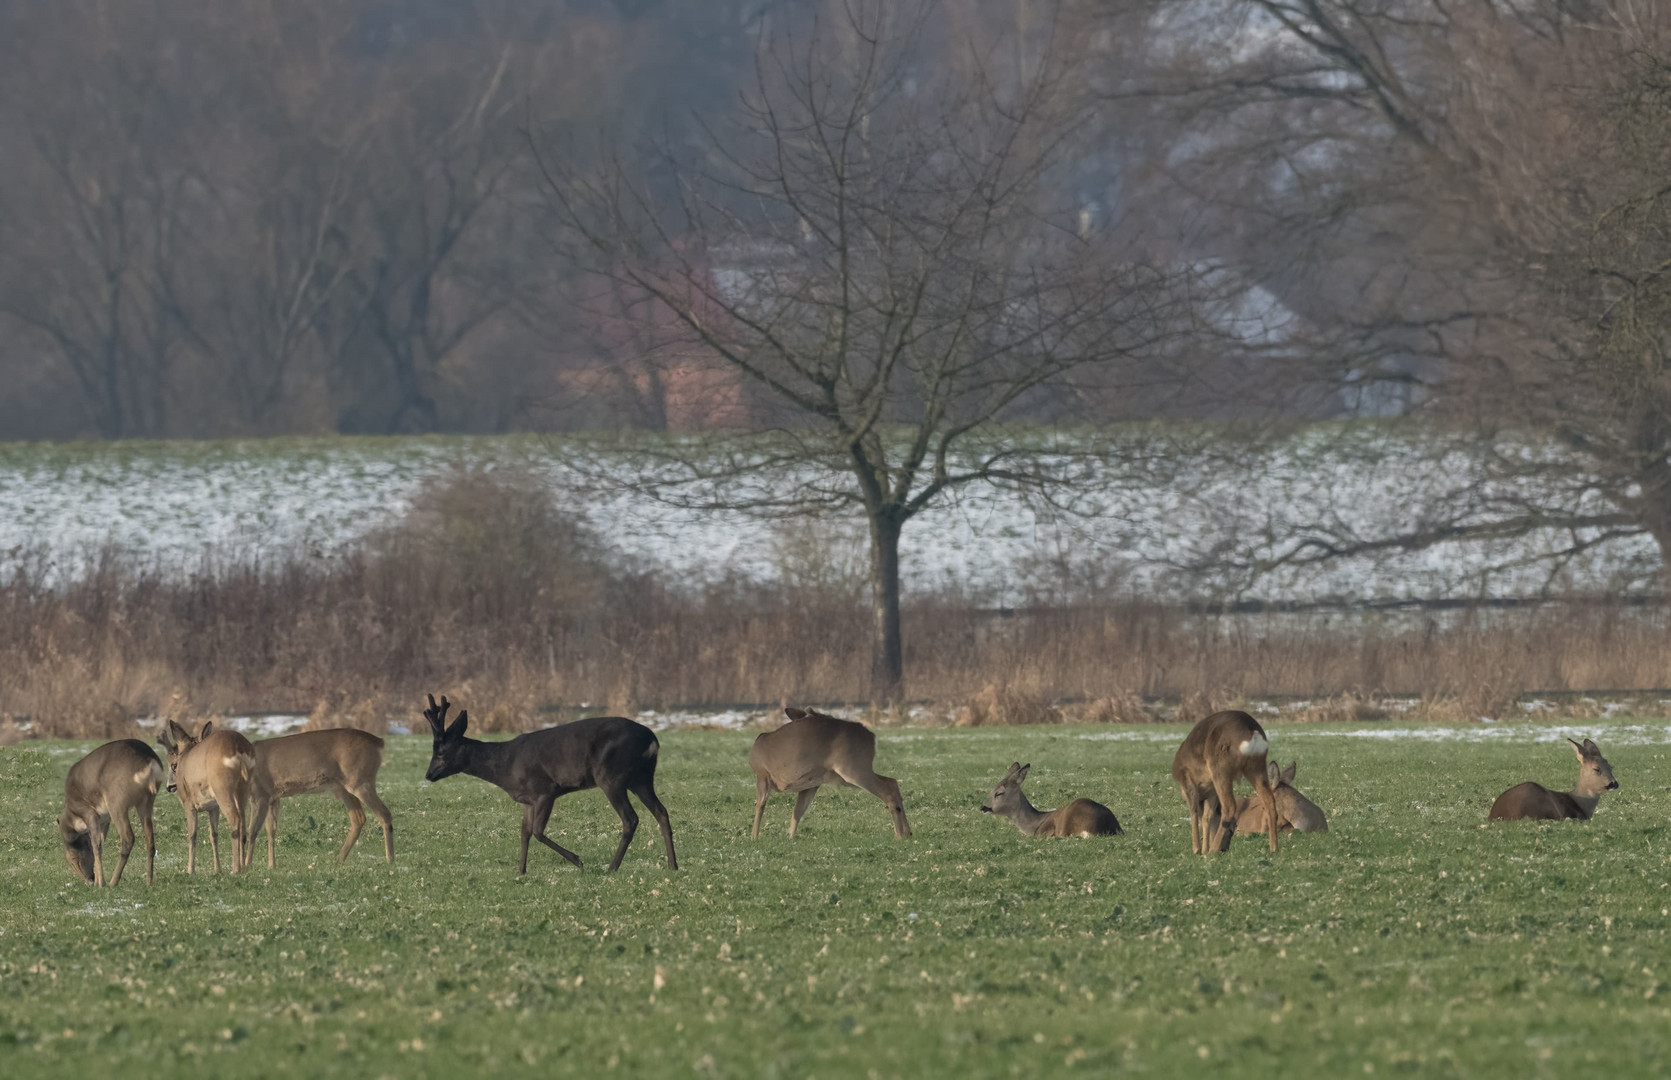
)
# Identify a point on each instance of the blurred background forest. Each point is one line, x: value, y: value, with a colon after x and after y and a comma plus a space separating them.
x: 879, y: 255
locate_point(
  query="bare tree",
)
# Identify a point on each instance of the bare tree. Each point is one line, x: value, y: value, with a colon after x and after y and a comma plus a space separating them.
x: 876, y: 250
x: 1470, y: 199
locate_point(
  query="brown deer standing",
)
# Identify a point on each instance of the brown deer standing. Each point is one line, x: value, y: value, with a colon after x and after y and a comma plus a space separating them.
x: 342, y: 761
x: 812, y: 750
x: 102, y: 787
x: 1082, y: 817
x: 611, y: 753
x: 1534, y: 802
x: 1218, y: 751
x: 1294, y: 811
x: 212, y: 771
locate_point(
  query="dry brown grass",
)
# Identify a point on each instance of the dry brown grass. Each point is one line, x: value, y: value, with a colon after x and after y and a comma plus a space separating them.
x: 998, y: 703
x: 509, y: 624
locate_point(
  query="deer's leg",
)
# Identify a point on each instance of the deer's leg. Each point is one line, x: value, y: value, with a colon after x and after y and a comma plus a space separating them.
x: 262, y: 815
x: 617, y: 795
x: 269, y: 821
x: 356, y: 822
x: 1192, y: 799
x: 124, y: 829
x: 762, y: 792
x: 536, y: 818
x: 885, y: 788
x: 646, y: 793
x: 95, y: 837
x: 146, y: 822
x: 1267, y: 796
x: 191, y: 841
x: 1224, y: 820
x: 803, y: 803
x: 214, y: 836
x: 368, y: 795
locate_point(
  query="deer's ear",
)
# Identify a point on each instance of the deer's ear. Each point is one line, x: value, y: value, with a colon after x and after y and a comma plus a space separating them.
x: 1273, y: 772
x: 176, y: 733
x: 794, y: 713
x: 1590, y: 747
x: 1577, y: 748
x: 208, y: 726
x: 460, y: 725
x: 1288, y: 773
x: 1021, y: 773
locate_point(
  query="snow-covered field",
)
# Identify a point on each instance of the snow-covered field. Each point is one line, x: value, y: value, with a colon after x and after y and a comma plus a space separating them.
x: 176, y: 503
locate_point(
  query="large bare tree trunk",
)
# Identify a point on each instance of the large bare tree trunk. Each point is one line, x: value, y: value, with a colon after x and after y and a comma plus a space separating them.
x: 887, y: 656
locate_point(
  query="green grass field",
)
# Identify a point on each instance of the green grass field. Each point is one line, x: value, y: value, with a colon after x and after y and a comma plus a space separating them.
x: 1408, y: 939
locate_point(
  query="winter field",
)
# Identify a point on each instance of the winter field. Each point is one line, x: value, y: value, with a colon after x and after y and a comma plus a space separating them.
x: 1411, y: 938
x: 1143, y: 532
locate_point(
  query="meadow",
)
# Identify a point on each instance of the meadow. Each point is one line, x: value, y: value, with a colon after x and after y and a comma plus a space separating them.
x: 1411, y: 938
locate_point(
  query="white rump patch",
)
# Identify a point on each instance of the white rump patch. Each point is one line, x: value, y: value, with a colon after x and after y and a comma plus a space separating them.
x: 1254, y: 745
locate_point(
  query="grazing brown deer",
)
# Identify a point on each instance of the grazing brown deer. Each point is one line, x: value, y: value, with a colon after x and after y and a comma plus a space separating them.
x: 213, y: 771
x: 342, y: 761
x: 1082, y: 817
x: 812, y: 750
x: 1534, y: 802
x: 102, y: 787
x: 1294, y: 811
x: 611, y: 753
x: 1218, y: 751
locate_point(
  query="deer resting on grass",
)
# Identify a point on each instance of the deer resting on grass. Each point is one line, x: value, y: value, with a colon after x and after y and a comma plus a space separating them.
x: 342, y: 761
x: 213, y: 771
x: 1294, y: 811
x: 1082, y: 817
x: 103, y: 787
x: 813, y: 750
x: 611, y: 753
x: 1534, y: 802
x: 1218, y: 751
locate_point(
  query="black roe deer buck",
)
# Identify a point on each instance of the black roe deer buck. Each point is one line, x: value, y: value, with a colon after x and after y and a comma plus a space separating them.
x: 103, y: 787
x: 213, y: 771
x: 813, y: 750
x: 1294, y: 812
x: 611, y: 753
x: 1082, y: 817
x: 1218, y: 751
x: 341, y: 761
x: 1534, y: 802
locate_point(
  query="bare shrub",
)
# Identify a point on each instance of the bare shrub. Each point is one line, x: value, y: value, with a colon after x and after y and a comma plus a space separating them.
x: 1120, y: 707
x: 1200, y: 704
x: 997, y: 703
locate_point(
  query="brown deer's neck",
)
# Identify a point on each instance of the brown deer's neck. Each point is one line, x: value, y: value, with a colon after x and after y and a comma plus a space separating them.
x: 1027, y: 817
x: 1586, y: 802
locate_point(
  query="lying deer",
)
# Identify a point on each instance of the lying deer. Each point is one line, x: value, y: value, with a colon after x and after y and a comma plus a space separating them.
x: 1534, y: 802
x: 1294, y: 811
x: 342, y: 761
x: 102, y: 787
x: 1082, y: 817
x: 1218, y: 751
x: 213, y: 771
x: 813, y: 750
x: 611, y: 753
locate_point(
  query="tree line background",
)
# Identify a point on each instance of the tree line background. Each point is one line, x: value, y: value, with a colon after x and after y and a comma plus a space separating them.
x: 868, y: 246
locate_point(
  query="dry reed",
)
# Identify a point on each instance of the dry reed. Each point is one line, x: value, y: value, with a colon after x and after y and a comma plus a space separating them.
x: 518, y: 609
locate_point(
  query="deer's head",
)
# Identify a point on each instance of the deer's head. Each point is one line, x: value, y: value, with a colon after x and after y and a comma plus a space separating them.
x: 1293, y: 810
x: 78, y: 845
x: 177, y: 742
x: 1006, y: 798
x: 1595, y: 775
x: 448, y: 754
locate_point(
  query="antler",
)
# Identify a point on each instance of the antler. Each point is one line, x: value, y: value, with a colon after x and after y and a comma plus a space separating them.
x: 437, y: 714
